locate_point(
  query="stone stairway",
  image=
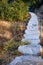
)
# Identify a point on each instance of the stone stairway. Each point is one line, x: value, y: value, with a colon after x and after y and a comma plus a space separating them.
x: 31, y: 50
x: 31, y: 35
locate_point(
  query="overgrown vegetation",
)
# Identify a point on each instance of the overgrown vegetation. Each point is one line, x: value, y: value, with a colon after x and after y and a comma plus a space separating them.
x: 33, y: 4
x: 13, y: 11
x: 12, y: 45
x: 10, y: 50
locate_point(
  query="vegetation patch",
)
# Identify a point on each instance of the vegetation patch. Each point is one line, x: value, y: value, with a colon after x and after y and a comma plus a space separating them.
x: 13, y: 11
x: 14, y: 17
x: 9, y: 50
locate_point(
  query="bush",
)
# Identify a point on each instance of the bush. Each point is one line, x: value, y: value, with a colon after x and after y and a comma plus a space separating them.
x: 12, y: 46
x: 10, y: 51
x: 13, y: 11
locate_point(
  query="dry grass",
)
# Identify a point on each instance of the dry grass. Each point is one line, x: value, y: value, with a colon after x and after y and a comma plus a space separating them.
x: 5, y: 24
x: 7, y: 32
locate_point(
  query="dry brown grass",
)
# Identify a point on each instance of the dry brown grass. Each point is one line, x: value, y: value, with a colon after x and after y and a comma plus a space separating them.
x: 5, y: 24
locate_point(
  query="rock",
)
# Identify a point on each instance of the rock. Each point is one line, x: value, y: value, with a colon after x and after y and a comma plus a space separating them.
x: 24, y: 63
x: 28, y: 49
x: 27, y: 60
x: 39, y: 63
x: 31, y: 35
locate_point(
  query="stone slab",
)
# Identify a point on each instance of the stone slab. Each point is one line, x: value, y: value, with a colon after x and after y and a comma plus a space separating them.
x: 29, y: 49
x: 31, y: 33
x: 27, y: 60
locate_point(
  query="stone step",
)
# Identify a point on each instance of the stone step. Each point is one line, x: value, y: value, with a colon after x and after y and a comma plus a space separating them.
x: 32, y: 50
x: 32, y: 41
x: 27, y: 60
x: 32, y: 36
x: 29, y: 32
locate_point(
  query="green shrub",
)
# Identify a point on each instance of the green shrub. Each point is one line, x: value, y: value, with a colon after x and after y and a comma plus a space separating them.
x: 12, y: 45
x: 13, y: 11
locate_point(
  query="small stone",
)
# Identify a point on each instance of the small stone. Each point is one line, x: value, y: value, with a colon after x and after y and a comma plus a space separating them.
x: 40, y: 63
